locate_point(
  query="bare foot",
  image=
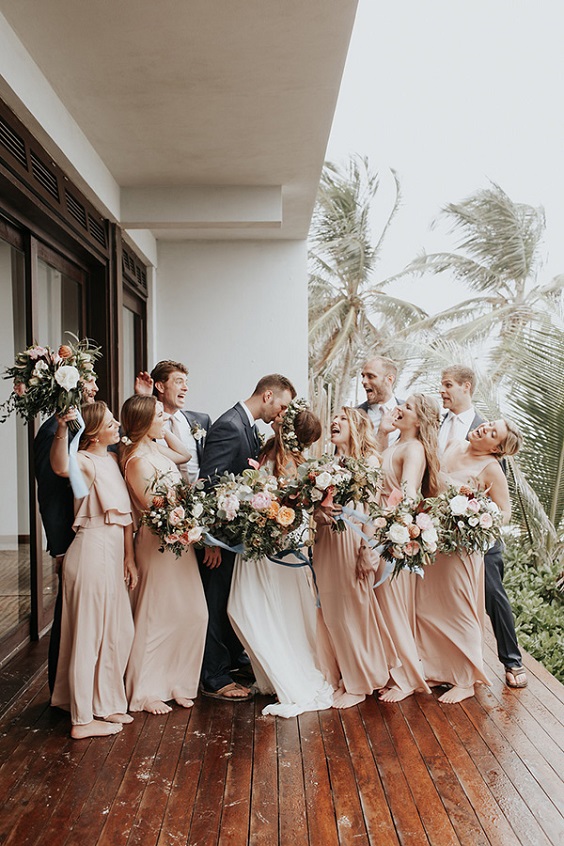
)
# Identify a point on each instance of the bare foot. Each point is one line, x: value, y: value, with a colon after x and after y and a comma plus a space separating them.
x: 97, y: 728
x: 456, y: 694
x: 156, y: 706
x: 118, y: 718
x: 394, y: 694
x: 183, y: 702
x: 347, y: 700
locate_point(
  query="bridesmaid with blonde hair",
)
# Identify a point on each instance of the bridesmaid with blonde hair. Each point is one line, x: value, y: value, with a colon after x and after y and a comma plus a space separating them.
x: 355, y: 651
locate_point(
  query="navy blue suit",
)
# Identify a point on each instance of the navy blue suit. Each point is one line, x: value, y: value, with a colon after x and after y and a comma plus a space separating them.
x: 230, y: 442
x: 56, y: 504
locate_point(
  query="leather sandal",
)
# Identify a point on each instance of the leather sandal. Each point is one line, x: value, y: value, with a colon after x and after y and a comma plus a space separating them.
x: 221, y: 693
x: 516, y: 677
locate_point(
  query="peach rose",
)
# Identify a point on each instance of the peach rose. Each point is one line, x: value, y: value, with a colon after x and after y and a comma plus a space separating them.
x: 285, y: 516
x: 65, y: 351
x: 414, y: 530
x: 411, y: 548
x: 273, y: 510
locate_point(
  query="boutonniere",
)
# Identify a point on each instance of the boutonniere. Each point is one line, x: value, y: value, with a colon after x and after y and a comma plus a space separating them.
x: 198, y: 432
x: 261, y: 439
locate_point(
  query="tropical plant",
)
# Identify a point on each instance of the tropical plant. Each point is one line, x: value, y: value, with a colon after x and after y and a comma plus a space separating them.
x: 499, y: 258
x: 344, y: 298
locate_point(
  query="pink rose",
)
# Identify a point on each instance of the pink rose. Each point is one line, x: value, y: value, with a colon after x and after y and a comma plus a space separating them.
x: 380, y: 522
x: 20, y: 389
x: 486, y: 521
x: 424, y: 521
x: 176, y: 515
x: 411, y: 548
x: 170, y: 539
x: 184, y: 539
x: 473, y: 505
x: 395, y: 498
x: 261, y: 501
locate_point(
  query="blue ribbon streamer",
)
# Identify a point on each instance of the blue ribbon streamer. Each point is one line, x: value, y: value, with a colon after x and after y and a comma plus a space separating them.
x: 78, y: 485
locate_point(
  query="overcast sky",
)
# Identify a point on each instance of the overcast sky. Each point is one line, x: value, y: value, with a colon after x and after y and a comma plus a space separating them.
x: 452, y: 94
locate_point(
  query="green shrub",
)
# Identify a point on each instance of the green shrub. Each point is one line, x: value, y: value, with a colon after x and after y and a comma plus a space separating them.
x: 538, y: 606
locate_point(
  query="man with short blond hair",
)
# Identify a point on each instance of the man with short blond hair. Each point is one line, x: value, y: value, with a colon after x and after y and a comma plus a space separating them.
x: 379, y: 374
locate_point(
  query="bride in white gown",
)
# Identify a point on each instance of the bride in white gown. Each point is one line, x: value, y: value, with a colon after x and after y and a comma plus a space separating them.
x: 271, y: 606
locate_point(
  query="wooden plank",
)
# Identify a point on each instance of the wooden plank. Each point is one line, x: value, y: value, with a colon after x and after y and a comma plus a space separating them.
x: 379, y: 823
x: 88, y: 825
x: 435, y: 820
x: 182, y: 794
x: 350, y: 820
x: 206, y: 818
x: 121, y: 815
x: 541, y: 807
x: 148, y: 820
x: 507, y: 797
x: 460, y: 812
x: 404, y: 812
x: 291, y: 791
x: 489, y: 813
x: 263, y: 828
x: 234, y: 829
x: 321, y: 819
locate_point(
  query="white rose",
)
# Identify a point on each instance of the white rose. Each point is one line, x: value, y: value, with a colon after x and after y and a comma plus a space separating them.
x: 316, y: 495
x: 67, y: 377
x: 459, y: 504
x: 429, y: 536
x: 40, y: 368
x: 398, y: 533
x: 473, y: 521
x: 197, y: 510
x: 323, y: 480
x: 407, y: 519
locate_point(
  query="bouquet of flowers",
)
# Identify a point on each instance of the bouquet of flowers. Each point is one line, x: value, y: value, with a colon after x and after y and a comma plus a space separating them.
x: 468, y: 518
x: 178, y: 514
x: 46, y: 381
x: 334, y: 480
x: 406, y: 532
x: 252, y: 511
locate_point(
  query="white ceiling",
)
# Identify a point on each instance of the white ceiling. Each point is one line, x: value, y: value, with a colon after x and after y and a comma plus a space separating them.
x: 176, y: 94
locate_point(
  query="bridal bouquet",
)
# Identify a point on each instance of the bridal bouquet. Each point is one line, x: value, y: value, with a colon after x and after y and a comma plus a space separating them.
x: 468, y: 518
x: 178, y: 513
x: 253, y: 512
x: 406, y: 532
x: 334, y: 480
x: 46, y: 381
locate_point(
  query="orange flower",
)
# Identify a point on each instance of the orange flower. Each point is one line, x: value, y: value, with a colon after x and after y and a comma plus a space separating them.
x: 158, y: 501
x: 286, y: 516
x: 273, y: 510
x: 65, y: 351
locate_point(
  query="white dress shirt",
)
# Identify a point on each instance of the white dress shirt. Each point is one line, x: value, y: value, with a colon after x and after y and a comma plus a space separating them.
x: 455, y: 427
x: 375, y: 413
x: 179, y: 426
x: 248, y: 413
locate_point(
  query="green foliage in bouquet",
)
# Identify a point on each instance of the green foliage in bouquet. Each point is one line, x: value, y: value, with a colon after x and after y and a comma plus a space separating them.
x: 46, y: 381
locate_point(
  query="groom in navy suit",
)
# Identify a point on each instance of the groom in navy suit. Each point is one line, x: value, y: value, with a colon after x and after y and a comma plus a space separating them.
x: 457, y: 387
x: 231, y: 441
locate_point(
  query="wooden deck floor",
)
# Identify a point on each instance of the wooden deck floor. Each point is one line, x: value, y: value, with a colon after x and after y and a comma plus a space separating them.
x: 487, y: 771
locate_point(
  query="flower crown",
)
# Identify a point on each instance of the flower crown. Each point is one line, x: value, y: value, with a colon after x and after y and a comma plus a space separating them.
x: 287, y: 430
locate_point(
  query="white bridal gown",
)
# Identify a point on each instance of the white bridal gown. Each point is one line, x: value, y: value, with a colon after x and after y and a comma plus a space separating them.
x: 272, y: 609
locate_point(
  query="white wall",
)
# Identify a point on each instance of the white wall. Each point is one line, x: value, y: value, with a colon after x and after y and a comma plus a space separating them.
x: 232, y: 312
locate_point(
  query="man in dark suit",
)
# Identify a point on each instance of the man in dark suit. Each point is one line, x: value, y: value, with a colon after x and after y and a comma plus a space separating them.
x: 457, y: 388
x: 232, y: 440
x: 378, y: 378
x: 56, y: 505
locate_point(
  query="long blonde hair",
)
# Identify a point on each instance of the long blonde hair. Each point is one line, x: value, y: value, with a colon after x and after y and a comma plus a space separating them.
x: 429, y: 419
x: 363, y: 442
x: 137, y: 415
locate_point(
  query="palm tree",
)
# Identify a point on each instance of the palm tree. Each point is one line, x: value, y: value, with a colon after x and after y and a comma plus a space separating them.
x: 344, y: 300
x: 499, y: 259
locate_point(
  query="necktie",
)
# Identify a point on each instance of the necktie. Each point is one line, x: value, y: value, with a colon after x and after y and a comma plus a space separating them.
x: 175, y: 427
x: 451, y: 429
x: 256, y: 439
